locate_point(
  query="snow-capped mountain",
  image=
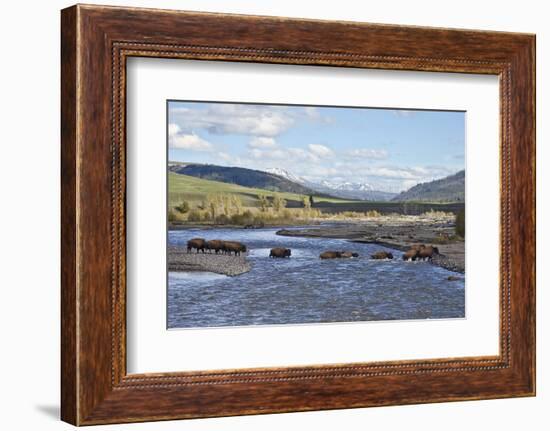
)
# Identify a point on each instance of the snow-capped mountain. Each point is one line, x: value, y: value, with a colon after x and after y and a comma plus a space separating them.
x: 347, y: 186
x: 287, y: 175
x: 344, y: 189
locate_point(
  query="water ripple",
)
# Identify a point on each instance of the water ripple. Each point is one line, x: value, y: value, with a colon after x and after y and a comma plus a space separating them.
x: 306, y: 289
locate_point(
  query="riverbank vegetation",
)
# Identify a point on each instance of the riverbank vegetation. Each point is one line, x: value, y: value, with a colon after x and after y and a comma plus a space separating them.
x: 198, y: 201
x: 228, y: 209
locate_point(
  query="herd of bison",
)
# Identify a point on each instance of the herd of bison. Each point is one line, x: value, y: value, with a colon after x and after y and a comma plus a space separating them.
x: 416, y: 252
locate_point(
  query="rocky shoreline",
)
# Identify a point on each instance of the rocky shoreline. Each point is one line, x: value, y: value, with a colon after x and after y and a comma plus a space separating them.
x: 181, y: 261
x: 398, y: 233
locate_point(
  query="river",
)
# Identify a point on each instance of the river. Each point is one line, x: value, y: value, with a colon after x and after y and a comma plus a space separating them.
x: 306, y: 289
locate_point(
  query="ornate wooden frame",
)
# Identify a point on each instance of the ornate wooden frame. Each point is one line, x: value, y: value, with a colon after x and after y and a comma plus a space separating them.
x: 96, y: 41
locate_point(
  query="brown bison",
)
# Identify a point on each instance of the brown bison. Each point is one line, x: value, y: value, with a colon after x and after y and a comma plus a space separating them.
x: 348, y: 254
x: 330, y: 255
x: 215, y: 245
x: 234, y: 247
x: 410, y: 254
x: 379, y: 255
x: 427, y: 253
x: 196, y: 243
x: 338, y: 254
x: 417, y: 247
x: 280, y: 252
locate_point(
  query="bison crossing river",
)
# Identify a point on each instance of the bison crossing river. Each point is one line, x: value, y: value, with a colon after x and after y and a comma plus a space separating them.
x: 416, y: 252
x: 280, y: 252
x: 216, y: 245
x: 421, y: 252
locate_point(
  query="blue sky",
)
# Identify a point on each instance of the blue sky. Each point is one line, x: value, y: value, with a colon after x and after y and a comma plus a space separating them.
x: 390, y: 149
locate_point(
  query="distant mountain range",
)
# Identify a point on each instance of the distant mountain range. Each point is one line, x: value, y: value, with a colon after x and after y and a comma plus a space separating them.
x: 448, y: 189
x: 344, y: 190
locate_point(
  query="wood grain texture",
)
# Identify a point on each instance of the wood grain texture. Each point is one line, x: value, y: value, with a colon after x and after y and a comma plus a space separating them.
x: 69, y: 366
x: 96, y: 41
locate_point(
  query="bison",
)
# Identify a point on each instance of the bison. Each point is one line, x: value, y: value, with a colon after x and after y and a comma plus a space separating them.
x: 338, y: 254
x: 196, y: 243
x: 379, y: 255
x: 215, y: 244
x: 330, y: 255
x: 234, y: 247
x: 427, y: 253
x: 280, y: 252
x: 417, y: 247
x: 348, y: 254
x: 410, y: 254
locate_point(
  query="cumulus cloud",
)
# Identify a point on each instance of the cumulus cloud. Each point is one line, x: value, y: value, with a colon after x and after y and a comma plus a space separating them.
x: 173, y: 129
x: 405, y: 113
x: 244, y: 119
x: 263, y: 148
x: 262, y: 142
x: 221, y: 119
x: 367, y: 153
x: 186, y: 141
x: 270, y: 154
x: 320, y: 151
x: 312, y: 112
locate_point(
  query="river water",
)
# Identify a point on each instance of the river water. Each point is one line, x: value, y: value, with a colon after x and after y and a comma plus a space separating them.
x: 306, y: 289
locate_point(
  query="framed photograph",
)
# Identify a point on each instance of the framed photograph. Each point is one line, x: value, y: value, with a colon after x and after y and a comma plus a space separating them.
x: 264, y: 214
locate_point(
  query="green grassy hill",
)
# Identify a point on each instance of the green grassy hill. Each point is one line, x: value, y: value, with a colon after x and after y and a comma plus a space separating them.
x: 243, y: 177
x: 444, y: 190
x: 194, y: 190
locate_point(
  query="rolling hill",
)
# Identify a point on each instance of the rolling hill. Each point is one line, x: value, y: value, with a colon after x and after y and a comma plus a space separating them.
x: 242, y: 177
x: 194, y: 190
x: 280, y: 180
x: 448, y: 189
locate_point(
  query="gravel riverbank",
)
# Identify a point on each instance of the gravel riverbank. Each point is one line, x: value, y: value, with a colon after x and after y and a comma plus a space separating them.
x: 181, y: 261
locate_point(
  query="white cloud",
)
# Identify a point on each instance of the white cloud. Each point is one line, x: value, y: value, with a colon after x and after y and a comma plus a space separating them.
x: 404, y: 113
x: 270, y: 154
x: 312, y: 112
x: 173, y: 129
x: 256, y: 120
x: 188, y: 141
x: 320, y: 151
x: 367, y: 153
x: 244, y: 119
x: 262, y: 142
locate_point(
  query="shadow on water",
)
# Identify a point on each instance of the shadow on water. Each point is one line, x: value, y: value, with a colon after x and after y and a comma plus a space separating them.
x: 306, y: 289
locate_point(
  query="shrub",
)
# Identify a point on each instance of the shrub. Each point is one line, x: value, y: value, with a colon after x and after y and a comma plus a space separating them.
x: 174, y: 216
x: 436, y: 214
x: 194, y: 216
x: 372, y: 213
x: 279, y: 204
x: 183, y: 207
x: 263, y: 202
x: 222, y: 219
